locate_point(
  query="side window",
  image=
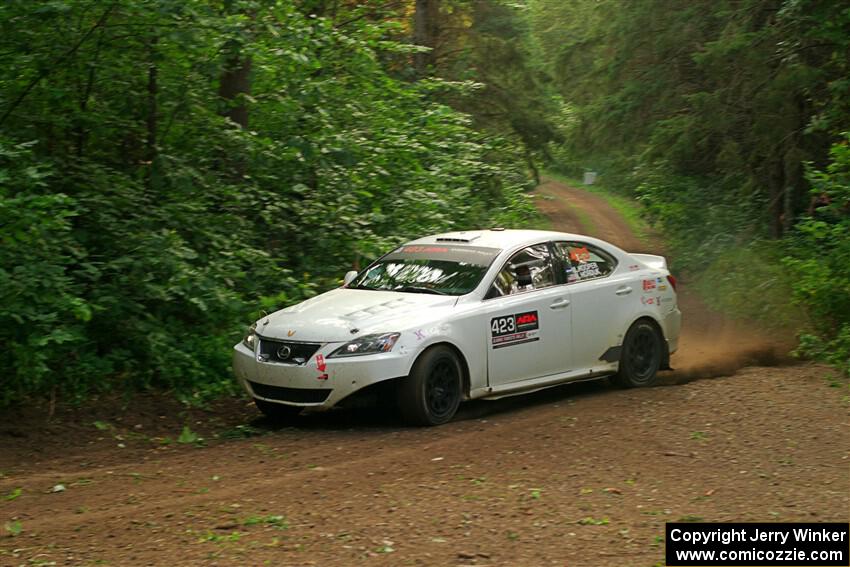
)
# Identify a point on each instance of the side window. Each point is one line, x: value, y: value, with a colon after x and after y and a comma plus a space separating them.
x: 583, y: 261
x: 527, y: 270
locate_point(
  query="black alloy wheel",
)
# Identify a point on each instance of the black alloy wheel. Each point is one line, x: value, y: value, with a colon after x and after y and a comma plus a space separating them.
x: 442, y: 388
x: 640, y: 358
x: 432, y: 392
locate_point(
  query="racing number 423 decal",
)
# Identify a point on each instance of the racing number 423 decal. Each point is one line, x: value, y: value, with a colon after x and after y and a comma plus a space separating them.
x: 508, y: 330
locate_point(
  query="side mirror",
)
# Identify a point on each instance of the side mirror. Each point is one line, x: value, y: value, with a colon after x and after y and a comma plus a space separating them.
x: 349, y: 277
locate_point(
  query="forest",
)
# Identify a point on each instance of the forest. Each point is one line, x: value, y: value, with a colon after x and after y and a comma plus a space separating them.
x: 170, y: 168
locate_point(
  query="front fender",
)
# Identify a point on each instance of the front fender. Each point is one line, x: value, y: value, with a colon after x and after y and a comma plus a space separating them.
x: 418, y: 340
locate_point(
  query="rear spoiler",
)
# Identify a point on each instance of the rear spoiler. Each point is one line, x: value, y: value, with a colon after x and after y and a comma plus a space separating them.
x: 651, y: 260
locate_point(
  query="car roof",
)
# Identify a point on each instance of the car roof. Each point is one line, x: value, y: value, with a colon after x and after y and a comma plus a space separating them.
x: 503, y: 238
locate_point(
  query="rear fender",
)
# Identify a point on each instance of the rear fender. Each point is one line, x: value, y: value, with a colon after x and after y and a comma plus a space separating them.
x: 651, y: 260
x: 665, y: 348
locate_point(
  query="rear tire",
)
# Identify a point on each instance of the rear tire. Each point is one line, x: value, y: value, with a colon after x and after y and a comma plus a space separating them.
x: 640, y: 358
x: 277, y: 412
x: 431, y: 394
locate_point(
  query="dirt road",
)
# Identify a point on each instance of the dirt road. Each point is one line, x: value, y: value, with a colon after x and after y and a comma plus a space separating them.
x: 579, y: 475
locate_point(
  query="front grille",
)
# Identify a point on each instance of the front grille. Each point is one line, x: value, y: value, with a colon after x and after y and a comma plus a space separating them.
x: 286, y: 351
x: 294, y: 395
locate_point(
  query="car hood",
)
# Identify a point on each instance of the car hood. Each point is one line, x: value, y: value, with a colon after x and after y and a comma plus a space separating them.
x: 343, y: 314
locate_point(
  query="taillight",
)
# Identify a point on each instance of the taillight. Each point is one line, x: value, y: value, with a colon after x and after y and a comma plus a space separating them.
x: 672, y: 281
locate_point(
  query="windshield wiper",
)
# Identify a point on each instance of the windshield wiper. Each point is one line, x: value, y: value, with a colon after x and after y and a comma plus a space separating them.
x: 362, y: 287
x: 417, y: 289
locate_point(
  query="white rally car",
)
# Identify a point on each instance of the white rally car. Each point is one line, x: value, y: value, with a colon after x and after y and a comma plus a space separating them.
x: 457, y: 316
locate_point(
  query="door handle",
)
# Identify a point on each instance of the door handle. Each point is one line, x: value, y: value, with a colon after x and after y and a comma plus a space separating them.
x: 624, y: 291
x: 560, y: 304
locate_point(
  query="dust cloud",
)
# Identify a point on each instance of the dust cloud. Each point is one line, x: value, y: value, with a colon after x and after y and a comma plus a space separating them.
x: 714, y: 345
x: 711, y: 344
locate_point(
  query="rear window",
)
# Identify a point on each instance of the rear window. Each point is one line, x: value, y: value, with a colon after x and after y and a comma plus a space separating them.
x: 582, y: 261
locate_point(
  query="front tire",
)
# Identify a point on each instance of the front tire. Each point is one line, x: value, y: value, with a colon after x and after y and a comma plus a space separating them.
x: 431, y: 394
x: 277, y: 412
x: 640, y: 358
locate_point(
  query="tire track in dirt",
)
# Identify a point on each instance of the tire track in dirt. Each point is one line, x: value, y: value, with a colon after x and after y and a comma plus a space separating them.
x: 711, y: 344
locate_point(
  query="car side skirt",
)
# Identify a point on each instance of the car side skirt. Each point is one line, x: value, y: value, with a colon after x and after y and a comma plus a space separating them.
x: 528, y: 386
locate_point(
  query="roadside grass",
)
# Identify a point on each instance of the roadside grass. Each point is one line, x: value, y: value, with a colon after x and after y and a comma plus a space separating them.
x: 189, y: 437
x: 628, y: 208
x: 584, y: 219
x: 750, y: 283
x: 541, y: 221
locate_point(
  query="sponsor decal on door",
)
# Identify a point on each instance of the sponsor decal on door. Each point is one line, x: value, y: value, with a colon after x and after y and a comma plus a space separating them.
x: 519, y: 328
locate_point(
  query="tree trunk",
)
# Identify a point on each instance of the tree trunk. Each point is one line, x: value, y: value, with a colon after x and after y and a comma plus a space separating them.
x: 777, y: 199
x: 236, y: 81
x: 151, y: 120
x: 80, y: 132
x: 795, y: 186
x: 150, y: 139
x: 426, y: 28
x: 794, y: 171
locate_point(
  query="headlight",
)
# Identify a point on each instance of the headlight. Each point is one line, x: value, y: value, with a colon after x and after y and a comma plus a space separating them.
x: 250, y: 339
x: 368, y: 344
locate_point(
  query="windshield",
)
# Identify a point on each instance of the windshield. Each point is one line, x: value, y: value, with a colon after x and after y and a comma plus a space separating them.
x: 437, y: 269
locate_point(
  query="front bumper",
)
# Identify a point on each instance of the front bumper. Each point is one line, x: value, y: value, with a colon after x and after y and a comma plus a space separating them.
x: 305, y: 385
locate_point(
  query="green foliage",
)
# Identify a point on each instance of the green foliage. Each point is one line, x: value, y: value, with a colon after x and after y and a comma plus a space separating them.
x: 188, y: 437
x: 713, y: 89
x: 488, y: 46
x: 701, y: 222
x: 275, y: 521
x: 14, y: 528
x: 42, y: 313
x: 241, y: 432
x: 819, y: 258
x: 14, y: 494
x: 590, y: 521
x: 142, y: 229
